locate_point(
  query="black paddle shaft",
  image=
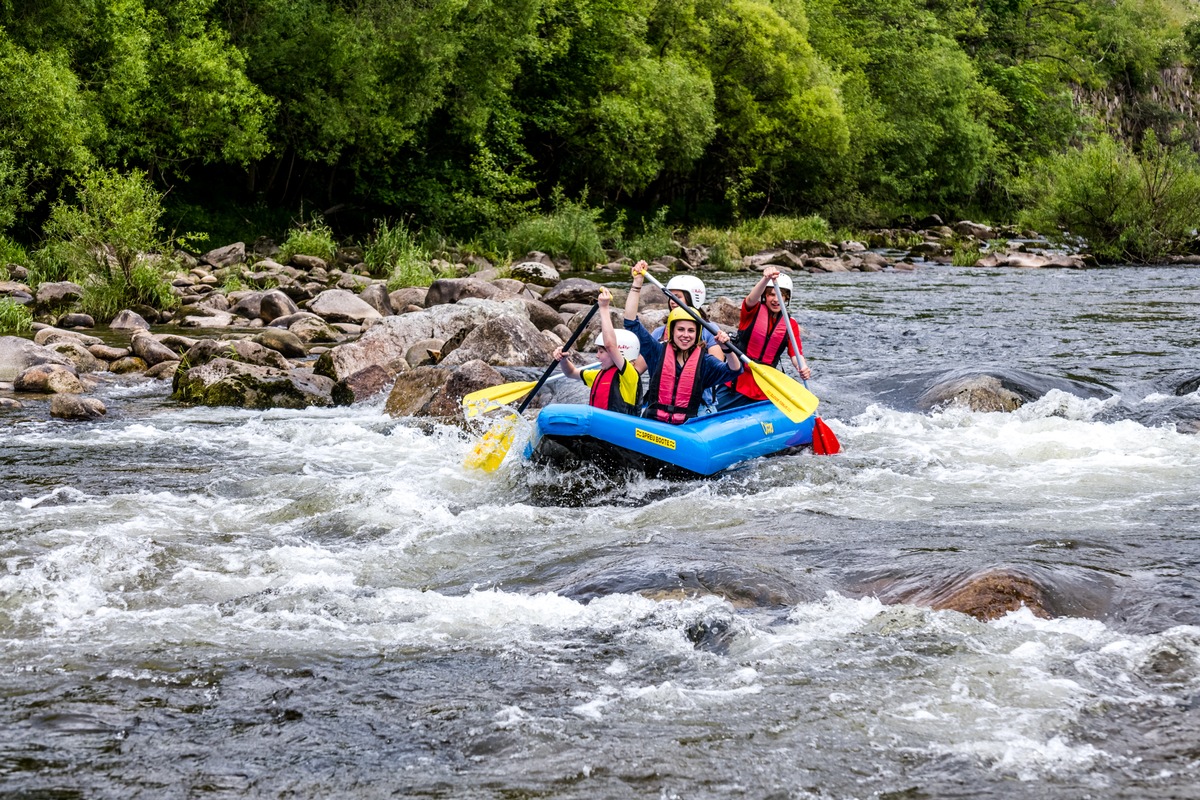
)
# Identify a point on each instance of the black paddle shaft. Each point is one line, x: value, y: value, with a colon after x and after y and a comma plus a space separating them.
x: 708, y: 326
x: 591, y: 313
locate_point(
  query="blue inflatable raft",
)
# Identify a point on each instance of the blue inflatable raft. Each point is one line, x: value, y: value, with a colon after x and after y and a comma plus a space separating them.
x: 702, y: 446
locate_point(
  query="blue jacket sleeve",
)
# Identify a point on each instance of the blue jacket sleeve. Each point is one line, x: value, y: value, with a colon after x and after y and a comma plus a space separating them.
x: 652, y: 350
x: 714, y: 371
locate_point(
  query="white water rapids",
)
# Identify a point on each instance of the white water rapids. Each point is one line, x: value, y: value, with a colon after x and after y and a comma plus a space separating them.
x: 202, y: 602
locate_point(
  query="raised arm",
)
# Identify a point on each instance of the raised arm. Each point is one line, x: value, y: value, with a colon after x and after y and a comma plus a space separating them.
x: 607, y: 335
x: 755, y: 296
x: 635, y: 291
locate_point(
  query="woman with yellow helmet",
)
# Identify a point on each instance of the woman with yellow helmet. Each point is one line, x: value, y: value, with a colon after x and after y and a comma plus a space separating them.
x: 679, y: 368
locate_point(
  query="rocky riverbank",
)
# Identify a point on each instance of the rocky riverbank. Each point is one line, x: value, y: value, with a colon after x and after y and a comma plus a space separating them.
x: 312, y: 333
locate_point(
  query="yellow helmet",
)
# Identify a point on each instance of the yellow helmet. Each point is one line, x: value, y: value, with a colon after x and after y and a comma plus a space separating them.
x: 678, y: 314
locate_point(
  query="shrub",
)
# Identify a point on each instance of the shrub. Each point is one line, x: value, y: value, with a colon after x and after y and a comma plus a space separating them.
x: 11, y: 253
x: 656, y: 239
x: 1129, y: 206
x: 106, y: 242
x: 15, y: 318
x: 312, y: 238
x: 394, y: 251
x: 571, y: 232
x: 760, y: 233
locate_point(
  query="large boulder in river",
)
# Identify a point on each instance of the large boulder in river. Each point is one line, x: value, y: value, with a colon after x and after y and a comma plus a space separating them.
x: 18, y: 354
x: 386, y: 343
x: 452, y: 290
x: 976, y: 392
x: 502, y: 342
x: 49, y: 379
x: 75, y: 407
x: 438, y: 392
x: 535, y: 272
x: 150, y: 350
x: 245, y: 352
x: 222, y: 382
x: 573, y: 290
x: 339, y: 305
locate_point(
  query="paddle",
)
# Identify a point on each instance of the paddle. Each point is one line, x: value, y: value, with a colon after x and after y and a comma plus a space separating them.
x: 824, y: 443
x: 796, y: 402
x: 505, y: 394
x: 495, y: 444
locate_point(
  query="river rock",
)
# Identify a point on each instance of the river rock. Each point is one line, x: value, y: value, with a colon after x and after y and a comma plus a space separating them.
x: 973, y: 229
x: 339, y: 305
x: 283, y: 341
x: 401, y: 299
x: 222, y: 382
x: 106, y: 352
x: 49, y: 379
x: 723, y: 311
x: 976, y: 392
x: 414, y: 390
x: 367, y: 383
x: 225, y: 256
x: 376, y: 295
x: 309, y: 328
x: 75, y: 407
x: 438, y: 392
x: 309, y: 263
x: 58, y: 293
x: 48, y: 336
x: 130, y: 364
x: 150, y: 350
x: 573, y: 290
x: 18, y: 354
x: 535, y: 272
x: 387, y: 343
x: 452, y: 290
x: 129, y: 320
x: 992, y: 594
x: 164, y: 370
x: 10, y: 404
x: 76, y: 320
x: 79, y: 356
x: 424, y: 353
x: 502, y: 342
x: 275, y: 304
x: 242, y: 351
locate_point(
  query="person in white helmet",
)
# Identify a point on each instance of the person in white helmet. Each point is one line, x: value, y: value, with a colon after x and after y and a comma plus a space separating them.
x: 763, y: 337
x: 615, y: 384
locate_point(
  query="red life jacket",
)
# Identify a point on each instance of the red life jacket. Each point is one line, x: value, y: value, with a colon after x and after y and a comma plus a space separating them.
x: 764, y: 342
x: 606, y: 392
x: 675, y: 392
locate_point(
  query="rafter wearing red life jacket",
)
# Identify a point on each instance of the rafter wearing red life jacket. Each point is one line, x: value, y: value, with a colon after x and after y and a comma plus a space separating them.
x: 675, y: 395
x: 606, y: 391
x: 764, y: 340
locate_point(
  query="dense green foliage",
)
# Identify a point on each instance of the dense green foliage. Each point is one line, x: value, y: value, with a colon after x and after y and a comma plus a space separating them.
x: 467, y: 118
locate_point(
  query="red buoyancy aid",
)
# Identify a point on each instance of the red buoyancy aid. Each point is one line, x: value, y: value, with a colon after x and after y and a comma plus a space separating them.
x: 606, y: 392
x: 762, y: 340
x: 675, y: 393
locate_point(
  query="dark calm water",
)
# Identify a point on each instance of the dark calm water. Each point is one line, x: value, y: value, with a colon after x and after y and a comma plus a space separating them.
x: 215, y: 603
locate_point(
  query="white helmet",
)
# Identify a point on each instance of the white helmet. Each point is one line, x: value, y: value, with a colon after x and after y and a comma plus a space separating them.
x: 784, y: 283
x: 628, y: 344
x: 690, y: 284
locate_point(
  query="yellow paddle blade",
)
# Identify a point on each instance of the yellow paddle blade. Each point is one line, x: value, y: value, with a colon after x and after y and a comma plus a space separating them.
x: 796, y: 402
x: 494, y: 397
x: 494, y: 446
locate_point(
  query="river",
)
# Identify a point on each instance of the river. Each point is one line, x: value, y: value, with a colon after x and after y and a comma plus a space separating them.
x: 210, y: 603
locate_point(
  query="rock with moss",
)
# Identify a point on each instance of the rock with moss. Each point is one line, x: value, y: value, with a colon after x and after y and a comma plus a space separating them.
x: 222, y: 382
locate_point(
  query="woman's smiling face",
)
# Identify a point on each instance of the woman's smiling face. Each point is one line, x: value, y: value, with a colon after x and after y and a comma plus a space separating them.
x: 683, y: 334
